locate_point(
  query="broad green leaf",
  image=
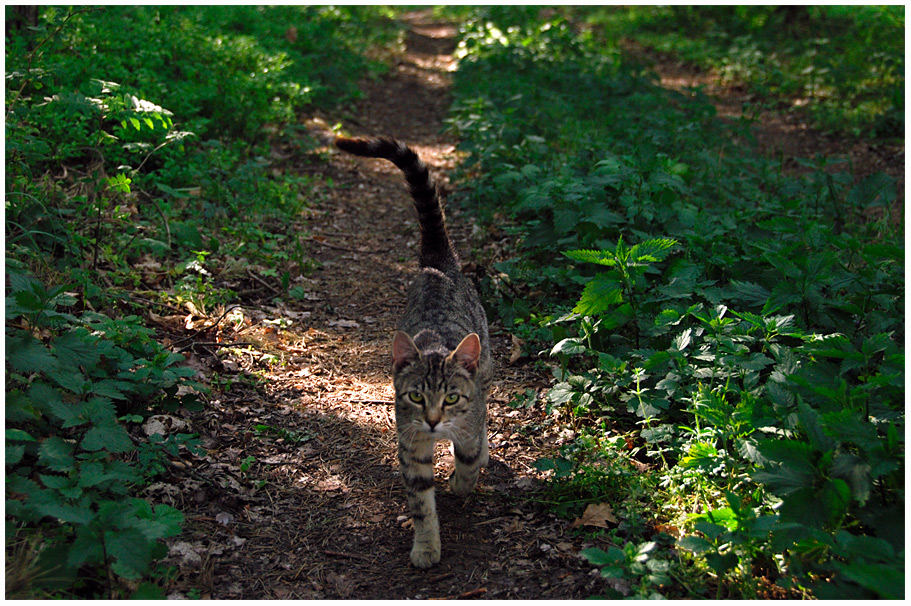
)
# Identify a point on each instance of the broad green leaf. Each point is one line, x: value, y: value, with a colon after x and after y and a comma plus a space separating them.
x: 570, y: 346
x: 14, y: 454
x: 599, y: 557
x: 77, y: 348
x: 601, y: 257
x: 652, y: 250
x: 56, y: 454
x: 18, y: 435
x: 856, y: 473
x: 600, y: 294
x: 131, y: 550
x: 26, y: 354
x: 885, y: 580
x: 165, y: 521
x: 112, y: 438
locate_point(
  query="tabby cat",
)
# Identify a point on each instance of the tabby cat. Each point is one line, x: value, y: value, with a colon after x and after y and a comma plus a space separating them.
x: 441, y: 364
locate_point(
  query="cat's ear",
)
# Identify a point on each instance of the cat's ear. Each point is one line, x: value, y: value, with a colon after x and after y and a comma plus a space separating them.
x: 468, y: 353
x: 403, y: 350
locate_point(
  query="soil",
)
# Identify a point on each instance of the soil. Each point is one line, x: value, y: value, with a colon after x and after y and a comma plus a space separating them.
x: 298, y: 495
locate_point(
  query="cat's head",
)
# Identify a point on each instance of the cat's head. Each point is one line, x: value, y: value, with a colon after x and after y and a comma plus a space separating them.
x: 434, y: 387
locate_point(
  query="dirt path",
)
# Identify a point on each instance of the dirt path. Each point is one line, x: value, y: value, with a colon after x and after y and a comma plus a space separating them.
x: 299, y: 495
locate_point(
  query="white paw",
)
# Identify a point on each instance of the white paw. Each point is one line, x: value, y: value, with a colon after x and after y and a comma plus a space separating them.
x: 424, y: 555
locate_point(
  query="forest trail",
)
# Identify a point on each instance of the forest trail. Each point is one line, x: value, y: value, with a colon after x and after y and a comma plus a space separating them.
x: 299, y: 495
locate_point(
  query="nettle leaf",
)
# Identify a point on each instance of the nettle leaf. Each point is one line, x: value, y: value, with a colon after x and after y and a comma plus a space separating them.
x: 86, y: 549
x: 601, y: 257
x: 68, y: 378
x: 695, y: 544
x: 885, y: 580
x: 18, y: 435
x: 600, y: 294
x: 131, y: 550
x: 653, y: 250
x: 162, y: 522
x: 112, y: 438
x: 668, y: 317
x: 817, y: 507
x: 750, y: 293
x: 599, y: 557
x: 78, y: 347
x: 569, y: 346
x: 856, y: 473
x: 791, y: 468
x: 14, y: 455
x: 749, y: 450
x: 878, y: 187
x: 26, y: 354
x: 810, y: 423
x: 566, y: 220
x: 56, y: 454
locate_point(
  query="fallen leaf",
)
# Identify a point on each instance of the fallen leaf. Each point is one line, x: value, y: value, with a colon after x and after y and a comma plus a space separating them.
x: 515, y: 351
x: 596, y: 515
x: 188, y: 555
x: 344, y: 323
x: 163, y: 425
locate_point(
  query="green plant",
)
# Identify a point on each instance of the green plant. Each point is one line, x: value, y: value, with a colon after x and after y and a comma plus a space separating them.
x: 733, y: 366
x: 69, y: 459
x: 632, y: 563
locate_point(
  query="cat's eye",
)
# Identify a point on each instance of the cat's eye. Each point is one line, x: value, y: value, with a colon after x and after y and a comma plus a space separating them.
x: 416, y: 397
x: 452, y: 398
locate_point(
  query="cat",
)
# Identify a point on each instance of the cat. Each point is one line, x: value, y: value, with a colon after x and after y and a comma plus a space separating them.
x: 441, y: 363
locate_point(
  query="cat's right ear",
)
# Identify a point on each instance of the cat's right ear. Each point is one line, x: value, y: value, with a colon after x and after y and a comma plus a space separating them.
x: 404, y: 350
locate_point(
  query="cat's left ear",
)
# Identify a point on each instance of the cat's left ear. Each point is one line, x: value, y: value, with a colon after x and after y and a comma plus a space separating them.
x: 468, y: 353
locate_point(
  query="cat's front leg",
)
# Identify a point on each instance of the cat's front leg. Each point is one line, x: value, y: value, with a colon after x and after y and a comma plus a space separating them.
x: 417, y: 472
x: 469, y: 459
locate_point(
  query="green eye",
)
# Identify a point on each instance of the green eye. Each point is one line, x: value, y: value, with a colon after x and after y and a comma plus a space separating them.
x: 416, y: 397
x: 452, y: 398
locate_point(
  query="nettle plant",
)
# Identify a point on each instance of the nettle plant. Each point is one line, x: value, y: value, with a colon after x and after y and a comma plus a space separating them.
x: 753, y: 350
x: 74, y: 383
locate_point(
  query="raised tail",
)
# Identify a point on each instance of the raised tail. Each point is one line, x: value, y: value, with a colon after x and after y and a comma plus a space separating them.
x: 436, y: 250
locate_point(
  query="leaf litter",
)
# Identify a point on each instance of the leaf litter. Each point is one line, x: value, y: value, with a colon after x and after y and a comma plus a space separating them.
x: 298, y: 494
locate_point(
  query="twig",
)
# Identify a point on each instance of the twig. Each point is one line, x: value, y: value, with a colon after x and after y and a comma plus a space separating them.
x: 263, y: 282
x: 351, y: 250
x: 354, y: 556
x: 465, y: 596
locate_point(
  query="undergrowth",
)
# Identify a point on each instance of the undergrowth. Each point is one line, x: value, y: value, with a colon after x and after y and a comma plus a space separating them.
x: 844, y: 65
x: 136, y: 137
x: 733, y: 328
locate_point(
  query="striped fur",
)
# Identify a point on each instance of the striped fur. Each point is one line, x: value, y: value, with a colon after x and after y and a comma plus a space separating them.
x: 441, y: 358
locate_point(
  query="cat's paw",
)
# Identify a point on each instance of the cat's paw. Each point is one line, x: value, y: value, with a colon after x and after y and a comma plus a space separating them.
x: 462, y: 486
x: 424, y: 555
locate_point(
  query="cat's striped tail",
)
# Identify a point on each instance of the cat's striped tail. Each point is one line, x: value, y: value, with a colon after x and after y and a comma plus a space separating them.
x: 436, y: 249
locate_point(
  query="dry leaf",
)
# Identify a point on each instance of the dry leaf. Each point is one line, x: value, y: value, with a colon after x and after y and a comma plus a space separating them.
x: 596, y: 515
x: 515, y: 351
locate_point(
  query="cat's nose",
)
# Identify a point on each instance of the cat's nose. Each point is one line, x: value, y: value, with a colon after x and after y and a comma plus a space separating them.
x: 432, y: 424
